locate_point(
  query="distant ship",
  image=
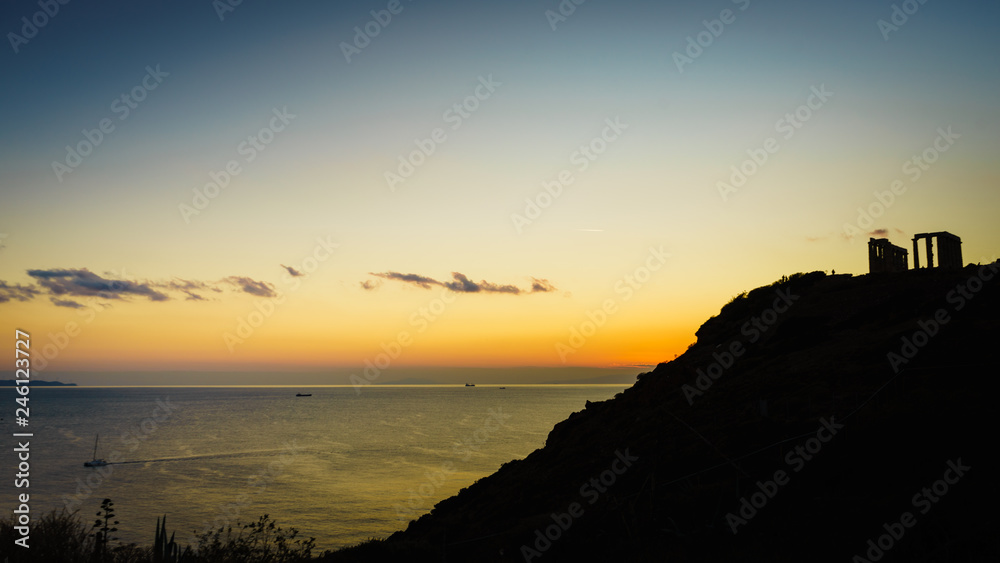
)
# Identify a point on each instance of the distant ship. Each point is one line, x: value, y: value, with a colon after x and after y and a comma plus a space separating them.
x: 95, y: 462
x: 470, y: 384
x: 303, y: 394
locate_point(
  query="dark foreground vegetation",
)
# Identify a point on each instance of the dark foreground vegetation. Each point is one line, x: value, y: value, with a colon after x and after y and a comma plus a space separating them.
x: 821, y: 418
x: 64, y: 538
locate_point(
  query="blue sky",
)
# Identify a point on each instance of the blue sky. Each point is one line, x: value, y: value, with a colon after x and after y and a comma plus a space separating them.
x: 221, y: 80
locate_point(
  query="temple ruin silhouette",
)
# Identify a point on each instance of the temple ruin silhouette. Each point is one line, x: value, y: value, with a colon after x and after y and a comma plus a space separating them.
x: 885, y: 257
x: 949, y: 250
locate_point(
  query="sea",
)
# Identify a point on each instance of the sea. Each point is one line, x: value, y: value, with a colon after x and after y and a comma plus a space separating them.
x: 342, y: 465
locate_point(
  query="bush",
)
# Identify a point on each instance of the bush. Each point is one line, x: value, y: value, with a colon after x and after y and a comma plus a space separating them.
x: 257, y: 542
x: 56, y: 536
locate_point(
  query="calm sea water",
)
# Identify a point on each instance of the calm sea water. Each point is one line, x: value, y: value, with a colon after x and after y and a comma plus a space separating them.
x: 339, y: 466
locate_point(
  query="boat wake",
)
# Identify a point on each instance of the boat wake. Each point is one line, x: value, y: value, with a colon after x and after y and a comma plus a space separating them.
x: 255, y: 453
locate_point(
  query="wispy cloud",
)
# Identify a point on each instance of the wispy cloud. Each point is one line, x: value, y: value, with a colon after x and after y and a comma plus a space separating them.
x: 541, y: 286
x: 62, y: 283
x: 292, y: 271
x: 876, y: 233
x: 16, y: 291
x: 461, y: 283
x: 188, y: 288
x: 253, y: 287
x: 371, y: 285
x: 414, y: 279
x: 66, y: 303
x: 83, y: 283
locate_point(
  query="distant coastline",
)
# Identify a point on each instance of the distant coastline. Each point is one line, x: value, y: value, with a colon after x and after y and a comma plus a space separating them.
x: 34, y: 383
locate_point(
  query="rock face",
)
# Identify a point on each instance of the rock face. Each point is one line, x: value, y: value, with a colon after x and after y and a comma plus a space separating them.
x: 820, y: 418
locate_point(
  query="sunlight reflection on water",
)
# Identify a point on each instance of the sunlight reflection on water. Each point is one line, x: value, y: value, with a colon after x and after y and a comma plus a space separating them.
x: 338, y: 466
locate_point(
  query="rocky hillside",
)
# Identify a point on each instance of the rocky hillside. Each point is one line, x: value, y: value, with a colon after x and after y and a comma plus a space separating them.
x: 821, y: 418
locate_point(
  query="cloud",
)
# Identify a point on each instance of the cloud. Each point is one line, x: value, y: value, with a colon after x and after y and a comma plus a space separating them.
x: 292, y: 271
x: 66, y: 303
x: 460, y: 283
x: 82, y: 283
x: 61, y: 283
x: 188, y: 288
x: 178, y: 284
x: 253, y: 287
x: 369, y: 285
x: 541, y: 286
x: 876, y: 233
x: 16, y: 291
x: 421, y: 281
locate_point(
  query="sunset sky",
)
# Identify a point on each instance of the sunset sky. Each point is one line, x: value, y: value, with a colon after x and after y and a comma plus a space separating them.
x: 383, y: 168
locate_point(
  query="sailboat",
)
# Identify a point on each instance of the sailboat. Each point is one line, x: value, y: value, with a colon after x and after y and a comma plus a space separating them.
x: 96, y: 462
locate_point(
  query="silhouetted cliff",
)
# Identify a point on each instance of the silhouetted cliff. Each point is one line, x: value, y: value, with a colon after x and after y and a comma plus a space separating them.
x: 819, y: 418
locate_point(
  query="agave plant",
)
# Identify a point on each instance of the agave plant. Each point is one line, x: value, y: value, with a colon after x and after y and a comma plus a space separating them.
x: 164, y: 551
